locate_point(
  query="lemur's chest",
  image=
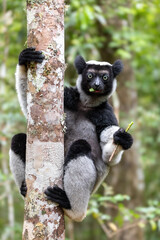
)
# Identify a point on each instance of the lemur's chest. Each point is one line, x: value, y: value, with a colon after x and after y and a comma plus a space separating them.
x: 78, y: 124
x: 80, y: 127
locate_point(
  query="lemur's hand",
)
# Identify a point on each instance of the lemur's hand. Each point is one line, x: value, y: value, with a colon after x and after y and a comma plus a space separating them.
x: 123, y: 138
x: 23, y: 189
x: 30, y: 55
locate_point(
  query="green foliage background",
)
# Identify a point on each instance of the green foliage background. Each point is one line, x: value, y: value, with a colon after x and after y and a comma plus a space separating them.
x: 130, y: 29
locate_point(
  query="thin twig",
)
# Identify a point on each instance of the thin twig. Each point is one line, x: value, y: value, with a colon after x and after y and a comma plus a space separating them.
x: 104, y: 228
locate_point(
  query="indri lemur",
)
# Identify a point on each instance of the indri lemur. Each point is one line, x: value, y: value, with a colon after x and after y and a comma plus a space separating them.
x: 92, y: 132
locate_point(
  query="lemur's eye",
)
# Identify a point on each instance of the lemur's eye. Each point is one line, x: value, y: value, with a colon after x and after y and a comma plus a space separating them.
x: 105, y: 77
x: 90, y: 75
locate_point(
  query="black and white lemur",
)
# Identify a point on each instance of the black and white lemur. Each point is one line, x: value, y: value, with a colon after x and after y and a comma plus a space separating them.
x: 92, y: 132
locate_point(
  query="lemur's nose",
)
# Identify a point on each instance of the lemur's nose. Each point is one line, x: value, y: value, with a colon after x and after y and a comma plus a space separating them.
x: 96, y: 83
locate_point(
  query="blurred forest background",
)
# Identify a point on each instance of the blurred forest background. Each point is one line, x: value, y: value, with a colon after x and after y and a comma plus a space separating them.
x: 127, y: 206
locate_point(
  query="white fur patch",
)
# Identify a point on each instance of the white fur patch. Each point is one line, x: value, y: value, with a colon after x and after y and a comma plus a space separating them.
x: 99, y: 63
x: 114, y: 87
x: 17, y: 167
x: 107, y: 145
x: 107, y: 134
x: 21, y: 87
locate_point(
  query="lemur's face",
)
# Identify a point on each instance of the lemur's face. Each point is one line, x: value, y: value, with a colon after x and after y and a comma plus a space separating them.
x: 97, y: 78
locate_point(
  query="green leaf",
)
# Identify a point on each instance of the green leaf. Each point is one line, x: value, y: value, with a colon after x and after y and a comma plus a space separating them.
x: 101, y: 19
x: 105, y: 217
x: 91, y: 90
x: 141, y: 224
x: 124, y: 54
x: 153, y: 225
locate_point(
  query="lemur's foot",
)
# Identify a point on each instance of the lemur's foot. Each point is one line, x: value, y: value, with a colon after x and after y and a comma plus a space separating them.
x: 30, y: 55
x: 59, y: 196
x: 23, y: 188
x: 123, y: 138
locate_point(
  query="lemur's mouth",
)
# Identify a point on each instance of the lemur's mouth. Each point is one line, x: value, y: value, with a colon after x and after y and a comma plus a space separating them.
x: 94, y: 90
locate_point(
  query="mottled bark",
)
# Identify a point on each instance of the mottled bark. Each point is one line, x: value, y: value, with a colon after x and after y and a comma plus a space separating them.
x: 45, y: 148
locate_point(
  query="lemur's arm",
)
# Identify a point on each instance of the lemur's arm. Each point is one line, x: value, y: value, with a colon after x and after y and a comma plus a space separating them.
x: 109, y: 133
x: 26, y: 56
x: 111, y: 136
x: 21, y: 87
x: 18, y: 143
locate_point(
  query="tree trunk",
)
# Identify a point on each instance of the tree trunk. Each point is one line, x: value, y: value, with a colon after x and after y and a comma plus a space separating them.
x: 45, y: 142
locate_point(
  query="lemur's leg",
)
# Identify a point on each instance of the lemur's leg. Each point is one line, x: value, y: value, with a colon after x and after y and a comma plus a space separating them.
x: 17, y: 161
x: 79, y: 180
x: 26, y: 56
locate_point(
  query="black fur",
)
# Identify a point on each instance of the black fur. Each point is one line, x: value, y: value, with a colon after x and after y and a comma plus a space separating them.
x: 80, y: 64
x: 117, y: 67
x: 18, y: 145
x: 102, y: 117
x: 123, y: 138
x: 78, y: 148
x: 59, y: 196
x: 30, y: 55
x: 71, y: 98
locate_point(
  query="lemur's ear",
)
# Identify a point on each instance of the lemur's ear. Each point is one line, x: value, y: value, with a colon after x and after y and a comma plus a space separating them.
x: 117, y: 67
x: 80, y: 64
